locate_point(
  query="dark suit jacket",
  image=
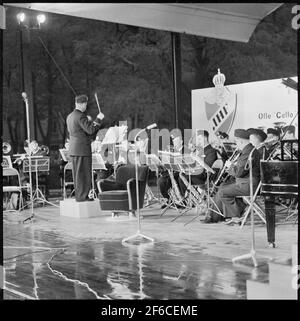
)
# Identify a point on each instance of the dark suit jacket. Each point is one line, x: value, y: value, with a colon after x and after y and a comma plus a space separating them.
x: 210, y: 157
x: 239, y: 169
x: 81, y: 132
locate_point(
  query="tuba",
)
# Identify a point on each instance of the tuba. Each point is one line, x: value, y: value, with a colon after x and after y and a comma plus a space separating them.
x: 6, y: 148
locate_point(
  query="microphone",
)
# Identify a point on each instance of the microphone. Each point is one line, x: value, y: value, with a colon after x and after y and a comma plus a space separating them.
x: 151, y: 126
x: 24, y: 95
x: 142, y: 130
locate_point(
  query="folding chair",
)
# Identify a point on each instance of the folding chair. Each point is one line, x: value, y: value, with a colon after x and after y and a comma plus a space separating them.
x: 68, y: 183
x: 256, y: 208
x: 207, y: 196
x: 12, y: 172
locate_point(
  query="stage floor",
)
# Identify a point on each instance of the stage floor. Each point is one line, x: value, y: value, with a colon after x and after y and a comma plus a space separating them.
x: 56, y: 257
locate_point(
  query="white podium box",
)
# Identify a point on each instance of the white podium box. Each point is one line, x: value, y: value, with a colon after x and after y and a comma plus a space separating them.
x: 71, y: 208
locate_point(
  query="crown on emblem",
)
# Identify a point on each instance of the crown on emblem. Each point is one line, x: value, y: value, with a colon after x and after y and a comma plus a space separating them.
x: 219, y: 79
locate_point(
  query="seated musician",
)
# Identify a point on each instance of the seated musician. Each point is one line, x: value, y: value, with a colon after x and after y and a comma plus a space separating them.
x: 223, y: 138
x: 238, y: 182
x: 288, y: 132
x: 256, y: 138
x: 36, y: 150
x: 164, y: 181
x: 291, y: 149
x: 273, y: 134
x: 210, y: 156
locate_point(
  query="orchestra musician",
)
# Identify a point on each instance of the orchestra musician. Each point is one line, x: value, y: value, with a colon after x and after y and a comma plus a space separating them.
x: 210, y: 156
x: 288, y: 132
x: 222, y: 138
x: 256, y: 138
x: 81, y: 131
x: 238, y: 183
x: 274, y: 135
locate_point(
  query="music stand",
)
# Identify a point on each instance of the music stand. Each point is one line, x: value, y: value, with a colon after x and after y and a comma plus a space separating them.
x: 97, y: 164
x: 37, y: 164
x: 209, y: 199
x: 185, y: 164
x: 153, y: 163
x: 113, y: 136
x: 138, y: 234
x: 252, y: 253
x: 168, y: 161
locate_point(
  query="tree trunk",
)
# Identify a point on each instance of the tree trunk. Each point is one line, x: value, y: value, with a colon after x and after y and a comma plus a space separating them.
x: 49, y: 100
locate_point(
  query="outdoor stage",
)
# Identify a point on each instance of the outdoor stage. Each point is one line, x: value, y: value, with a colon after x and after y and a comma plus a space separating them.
x: 46, y: 258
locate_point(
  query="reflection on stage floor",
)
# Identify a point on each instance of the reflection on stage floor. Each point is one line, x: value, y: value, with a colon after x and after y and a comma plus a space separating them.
x: 43, y: 261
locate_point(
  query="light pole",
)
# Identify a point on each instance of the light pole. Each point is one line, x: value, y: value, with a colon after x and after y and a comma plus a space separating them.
x: 27, y: 88
x: 26, y: 24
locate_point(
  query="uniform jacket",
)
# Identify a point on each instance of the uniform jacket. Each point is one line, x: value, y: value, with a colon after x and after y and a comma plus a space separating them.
x: 211, y: 156
x: 81, y: 132
x: 240, y: 170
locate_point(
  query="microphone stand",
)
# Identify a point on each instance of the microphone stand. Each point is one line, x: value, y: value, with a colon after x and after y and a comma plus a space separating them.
x: 138, y: 234
x: 251, y: 254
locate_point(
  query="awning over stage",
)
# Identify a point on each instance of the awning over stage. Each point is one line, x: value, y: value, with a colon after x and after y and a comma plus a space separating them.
x: 230, y: 21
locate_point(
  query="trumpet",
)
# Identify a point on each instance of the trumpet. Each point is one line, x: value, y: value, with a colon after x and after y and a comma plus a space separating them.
x: 6, y: 148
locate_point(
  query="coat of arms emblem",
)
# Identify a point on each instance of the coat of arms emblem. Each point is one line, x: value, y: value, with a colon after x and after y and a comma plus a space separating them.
x: 221, y: 109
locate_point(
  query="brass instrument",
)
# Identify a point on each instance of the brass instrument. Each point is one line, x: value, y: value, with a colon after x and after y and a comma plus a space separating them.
x: 174, y: 191
x: 224, y: 174
x: 6, y: 148
x: 44, y: 149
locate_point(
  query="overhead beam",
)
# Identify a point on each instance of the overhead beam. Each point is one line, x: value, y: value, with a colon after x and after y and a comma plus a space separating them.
x: 229, y: 21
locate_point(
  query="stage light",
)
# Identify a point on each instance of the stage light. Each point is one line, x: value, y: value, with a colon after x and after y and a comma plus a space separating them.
x: 21, y: 17
x: 41, y: 18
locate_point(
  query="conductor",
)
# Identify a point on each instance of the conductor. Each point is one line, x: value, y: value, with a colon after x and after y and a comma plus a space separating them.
x: 81, y: 130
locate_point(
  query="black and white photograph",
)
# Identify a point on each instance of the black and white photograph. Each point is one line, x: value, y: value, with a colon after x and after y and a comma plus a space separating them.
x: 149, y: 155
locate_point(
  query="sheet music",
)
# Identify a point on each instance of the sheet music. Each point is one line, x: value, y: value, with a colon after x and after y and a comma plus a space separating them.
x: 65, y: 155
x: 115, y: 135
x: 153, y: 159
x: 6, y: 161
x: 97, y: 161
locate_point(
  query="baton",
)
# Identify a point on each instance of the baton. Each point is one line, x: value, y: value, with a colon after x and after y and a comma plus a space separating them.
x: 96, y: 97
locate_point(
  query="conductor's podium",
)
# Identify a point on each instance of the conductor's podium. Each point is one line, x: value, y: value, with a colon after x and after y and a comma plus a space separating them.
x: 69, y: 207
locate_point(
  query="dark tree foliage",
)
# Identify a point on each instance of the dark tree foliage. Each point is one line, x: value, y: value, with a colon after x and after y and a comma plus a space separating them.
x: 130, y: 69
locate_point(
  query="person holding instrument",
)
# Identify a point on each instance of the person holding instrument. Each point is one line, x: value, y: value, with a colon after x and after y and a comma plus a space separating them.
x: 238, y: 182
x: 210, y: 156
x: 256, y: 138
x: 81, y: 131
